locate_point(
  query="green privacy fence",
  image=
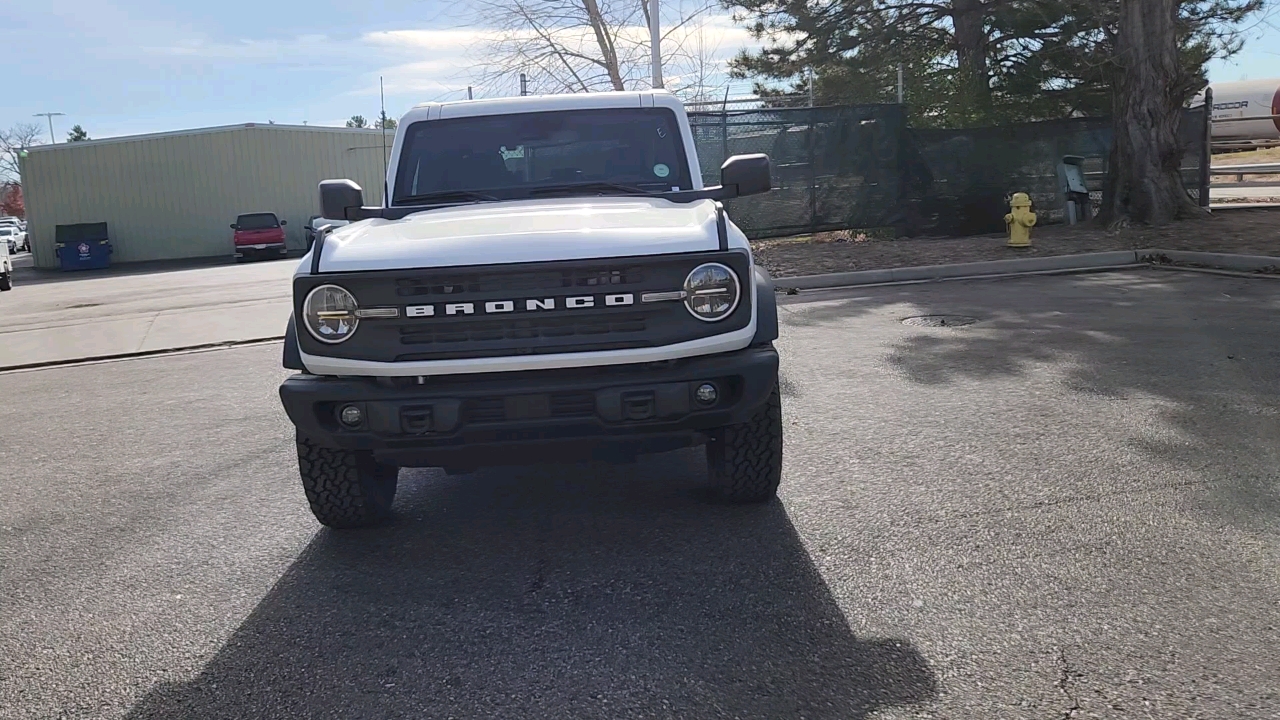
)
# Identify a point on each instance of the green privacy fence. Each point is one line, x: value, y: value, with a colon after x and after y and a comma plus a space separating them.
x: 861, y: 166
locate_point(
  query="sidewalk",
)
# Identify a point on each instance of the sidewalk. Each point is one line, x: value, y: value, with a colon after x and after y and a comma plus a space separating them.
x: 131, y: 313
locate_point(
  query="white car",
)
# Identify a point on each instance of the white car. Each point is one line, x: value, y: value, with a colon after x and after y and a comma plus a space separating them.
x: 12, y: 238
x: 6, y: 268
x: 548, y: 280
x: 19, y: 231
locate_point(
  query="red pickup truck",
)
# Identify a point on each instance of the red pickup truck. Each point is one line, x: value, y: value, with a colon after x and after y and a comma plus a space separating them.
x: 258, y: 235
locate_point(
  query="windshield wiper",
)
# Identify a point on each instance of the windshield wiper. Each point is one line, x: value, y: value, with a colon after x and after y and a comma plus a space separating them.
x: 597, y: 187
x: 446, y: 196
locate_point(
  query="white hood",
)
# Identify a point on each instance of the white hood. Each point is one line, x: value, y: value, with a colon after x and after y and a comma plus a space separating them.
x: 523, y: 231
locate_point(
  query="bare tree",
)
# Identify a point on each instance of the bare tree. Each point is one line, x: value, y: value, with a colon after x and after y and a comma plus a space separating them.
x: 701, y: 75
x: 592, y: 45
x: 12, y: 142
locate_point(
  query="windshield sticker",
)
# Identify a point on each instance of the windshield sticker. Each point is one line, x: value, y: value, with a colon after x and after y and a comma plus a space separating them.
x: 661, y: 170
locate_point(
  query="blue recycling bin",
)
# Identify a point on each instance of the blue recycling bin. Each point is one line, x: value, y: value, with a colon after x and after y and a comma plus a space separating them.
x: 85, y: 246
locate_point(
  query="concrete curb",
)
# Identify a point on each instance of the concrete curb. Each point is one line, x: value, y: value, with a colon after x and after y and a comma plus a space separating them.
x: 1220, y: 261
x: 1216, y: 207
x: 1084, y: 262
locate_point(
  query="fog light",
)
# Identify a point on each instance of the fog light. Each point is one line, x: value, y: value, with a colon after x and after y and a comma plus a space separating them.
x: 706, y: 394
x: 351, y: 416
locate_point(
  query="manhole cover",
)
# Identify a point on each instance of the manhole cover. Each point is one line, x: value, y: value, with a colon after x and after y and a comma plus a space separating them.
x: 940, y: 320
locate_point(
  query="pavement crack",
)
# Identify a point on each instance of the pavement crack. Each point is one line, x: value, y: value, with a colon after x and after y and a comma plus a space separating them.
x: 1064, y: 685
x: 147, y: 332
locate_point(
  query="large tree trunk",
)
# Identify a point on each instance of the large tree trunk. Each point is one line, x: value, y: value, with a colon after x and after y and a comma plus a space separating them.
x: 969, y: 20
x: 1144, y: 182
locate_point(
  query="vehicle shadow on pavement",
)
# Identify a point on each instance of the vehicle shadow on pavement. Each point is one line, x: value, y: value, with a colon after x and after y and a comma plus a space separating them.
x: 563, y: 591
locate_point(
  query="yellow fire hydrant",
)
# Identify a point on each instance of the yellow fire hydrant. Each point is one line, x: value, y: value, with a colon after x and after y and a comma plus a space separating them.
x: 1020, y: 221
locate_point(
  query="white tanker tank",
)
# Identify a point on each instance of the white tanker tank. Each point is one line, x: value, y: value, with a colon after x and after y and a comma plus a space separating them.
x: 1245, y: 99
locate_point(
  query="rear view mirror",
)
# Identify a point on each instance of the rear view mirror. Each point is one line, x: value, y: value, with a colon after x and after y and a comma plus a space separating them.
x: 337, y: 196
x: 748, y: 173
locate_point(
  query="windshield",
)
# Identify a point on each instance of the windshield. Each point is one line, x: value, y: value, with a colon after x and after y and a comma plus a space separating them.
x: 7, y: 231
x: 513, y: 156
x: 257, y: 221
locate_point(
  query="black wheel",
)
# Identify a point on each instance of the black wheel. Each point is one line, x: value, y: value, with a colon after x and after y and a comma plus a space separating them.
x: 346, y: 489
x: 745, y: 461
x: 6, y: 283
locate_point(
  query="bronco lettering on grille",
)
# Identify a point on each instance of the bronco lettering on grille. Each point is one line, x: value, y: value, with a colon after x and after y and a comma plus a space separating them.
x: 498, y: 307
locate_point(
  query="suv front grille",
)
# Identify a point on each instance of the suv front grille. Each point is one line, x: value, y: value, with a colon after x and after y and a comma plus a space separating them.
x: 452, y: 319
x: 482, y: 331
x: 605, y: 278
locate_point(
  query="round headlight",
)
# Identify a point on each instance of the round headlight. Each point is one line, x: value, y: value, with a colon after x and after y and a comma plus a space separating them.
x: 711, y: 292
x: 329, y: 313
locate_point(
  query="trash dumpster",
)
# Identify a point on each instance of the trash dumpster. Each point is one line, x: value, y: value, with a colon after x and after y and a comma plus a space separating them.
x: 84, y: 246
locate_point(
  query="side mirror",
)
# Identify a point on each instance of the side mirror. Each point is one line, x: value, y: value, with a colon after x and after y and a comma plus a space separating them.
x: 283, y: 223
x: 748, y: 173
x: 338, y: 196
x: 233, y: 226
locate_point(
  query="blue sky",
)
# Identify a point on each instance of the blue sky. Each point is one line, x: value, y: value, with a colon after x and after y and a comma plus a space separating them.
x: 146, y: 65
x: 137, y: 66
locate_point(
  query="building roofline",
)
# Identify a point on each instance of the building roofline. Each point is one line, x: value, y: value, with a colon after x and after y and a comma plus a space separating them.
x: 201, y: 131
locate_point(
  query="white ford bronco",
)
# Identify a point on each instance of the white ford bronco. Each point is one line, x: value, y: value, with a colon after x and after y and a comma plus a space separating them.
x: 546, y: 279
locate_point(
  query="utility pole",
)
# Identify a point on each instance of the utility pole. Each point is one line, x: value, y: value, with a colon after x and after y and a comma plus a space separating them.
x: 50, y: 115
x: 809, y: 78
x: 524, y: 84
x: 469, y: 92
x: 900, y: 83
x: 655, y: 44
x: 382, y: 98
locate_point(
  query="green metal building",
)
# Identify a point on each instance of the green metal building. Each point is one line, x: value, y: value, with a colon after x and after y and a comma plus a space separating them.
x: 174, y: 195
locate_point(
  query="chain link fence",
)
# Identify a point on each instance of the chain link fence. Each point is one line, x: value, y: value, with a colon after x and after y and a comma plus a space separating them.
x: 862, y: 167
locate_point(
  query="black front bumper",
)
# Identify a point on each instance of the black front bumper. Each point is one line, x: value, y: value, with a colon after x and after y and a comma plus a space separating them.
x: 506, y: 418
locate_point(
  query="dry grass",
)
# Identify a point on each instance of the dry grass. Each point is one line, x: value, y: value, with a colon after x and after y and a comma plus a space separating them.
x: 1251, y: 157
x: 1266, y: 155
x: 1249, y: 232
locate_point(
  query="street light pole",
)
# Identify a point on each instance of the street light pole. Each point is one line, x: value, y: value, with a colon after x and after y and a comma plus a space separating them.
x: 50, y: 115
x: 655, y: 44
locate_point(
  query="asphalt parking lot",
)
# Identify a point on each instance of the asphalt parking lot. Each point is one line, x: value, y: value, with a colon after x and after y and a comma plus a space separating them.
x: 1070, y: 508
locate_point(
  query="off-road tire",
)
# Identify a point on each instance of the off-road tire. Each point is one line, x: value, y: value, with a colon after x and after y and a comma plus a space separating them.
x: 745, y: 461
x: 6, y: 282
x: 346, y: 488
